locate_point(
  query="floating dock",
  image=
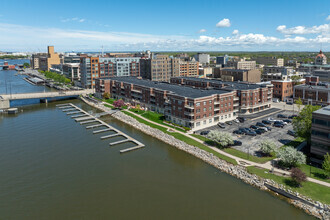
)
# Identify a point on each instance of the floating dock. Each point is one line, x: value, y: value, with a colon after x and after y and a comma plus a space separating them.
x: 86, y: 118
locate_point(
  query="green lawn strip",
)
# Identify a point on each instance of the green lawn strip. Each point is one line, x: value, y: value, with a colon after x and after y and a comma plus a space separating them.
x: 294, y: 143
x: 316, y: 173
x: 155, y: 117
x: 235, y: 152
x: 183, y: 138
x: 312, y: 190
x: 110, y: 101
x: 109, y: 106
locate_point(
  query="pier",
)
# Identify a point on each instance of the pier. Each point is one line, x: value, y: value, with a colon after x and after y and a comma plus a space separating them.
x: 86, y: 118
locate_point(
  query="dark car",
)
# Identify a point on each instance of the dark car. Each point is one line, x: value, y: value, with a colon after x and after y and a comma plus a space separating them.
x: 262, y: 130
x: 222, y: 125
x: 254, y: 127
x: 259, y: 124
x: 292, y: 116
x: 269, y: 128
x: 251, y: 133
x: 281, y: 116
x: 205, y: 132
x: 241, y: 119
x: 287, y: 120
x: 292, y: 133
x: 258, y: 131
x: 237, y: 143
x: 267, y: 122
x: 229, y: 122
x: 238, y: 132
x: 279, y: 125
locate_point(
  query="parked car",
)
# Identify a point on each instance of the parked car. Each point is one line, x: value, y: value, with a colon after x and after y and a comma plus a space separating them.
x: 271, y: 119
x: 236, y: 120
x: 229, y: 122
x: 263, y: 130
x: 238, y: 132
x: 205, y: 132
x: 269, y: 128
x: 281, y: 121
x: 287, y: 120
x: 292, y: 116
x: 241, y: 119
x: 222, y: 125
x: 259, y: 124
x: 266, y: 122
x: 254, y: 127
x: 237, y: 143
x: 281, y: 116
x: 279, y: 125
x: 292, y: 133
x: 258, y: 132
x: 251, y: 133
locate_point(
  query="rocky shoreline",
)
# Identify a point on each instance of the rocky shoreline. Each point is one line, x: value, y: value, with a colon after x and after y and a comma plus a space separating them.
x: 319, y: 210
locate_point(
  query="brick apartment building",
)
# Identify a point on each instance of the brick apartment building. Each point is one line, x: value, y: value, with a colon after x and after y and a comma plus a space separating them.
x: 160, y: 68
x: 313, y: 93
x: 190, y: 107
x: 249, y: 98
x: 95, y: 67
x: 283, y: 89
x: 240, y: 75
x: 189, y: 68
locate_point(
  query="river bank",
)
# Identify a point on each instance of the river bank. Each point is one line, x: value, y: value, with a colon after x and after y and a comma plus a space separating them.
x: 315, y: 208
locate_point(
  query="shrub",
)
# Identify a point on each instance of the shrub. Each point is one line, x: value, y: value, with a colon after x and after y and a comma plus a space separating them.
x: 119, y: 103
x: 326, y: 164
x: 106, y: 95
x: 290, y: 157
x: 298, y: 176
x: 267, y: 147
x: 223, y: 138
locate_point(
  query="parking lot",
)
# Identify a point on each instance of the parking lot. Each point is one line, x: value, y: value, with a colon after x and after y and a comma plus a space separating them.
x: 251, y: 143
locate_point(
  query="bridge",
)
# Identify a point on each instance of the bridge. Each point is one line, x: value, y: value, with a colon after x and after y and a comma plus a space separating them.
x: 12, y: 100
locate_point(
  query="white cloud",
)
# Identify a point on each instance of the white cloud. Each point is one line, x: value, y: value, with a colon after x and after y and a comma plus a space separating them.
x: 202, y: 31
x: 73, y: 19
x: 27, y: 38
x: 235, y: 32
x: 324, y: 28
x: 328, y: 18
x: 223, y: 23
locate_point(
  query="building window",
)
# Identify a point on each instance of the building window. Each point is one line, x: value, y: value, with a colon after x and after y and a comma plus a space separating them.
x: 204, y: 109
x: 204, y: 103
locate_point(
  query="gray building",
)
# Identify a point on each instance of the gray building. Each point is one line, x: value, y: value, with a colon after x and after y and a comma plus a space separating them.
x: 324, y: 75
x: 222, y: 60
x: 320, y: 138
x: 203, y: 58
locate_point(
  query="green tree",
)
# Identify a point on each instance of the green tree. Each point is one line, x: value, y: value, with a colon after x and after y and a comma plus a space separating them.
x: 267, y: 147
x: 26, y: 65
x: 299, y: 103
x: 106, y: 95
x: 326, y: 164
x: 303, y: 122
x: 222, y: 138
x: 296, y: 79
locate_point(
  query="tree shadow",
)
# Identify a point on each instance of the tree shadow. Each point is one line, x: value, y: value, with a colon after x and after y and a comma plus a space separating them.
x: 292, y: 183
x: 320, y: 175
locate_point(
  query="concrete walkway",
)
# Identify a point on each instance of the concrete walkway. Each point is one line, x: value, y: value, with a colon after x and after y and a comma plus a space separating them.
x: 240, y: 161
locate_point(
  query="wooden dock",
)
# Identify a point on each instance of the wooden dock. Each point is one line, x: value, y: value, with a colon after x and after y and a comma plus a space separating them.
x: 131, y: 149
x: 86, y: 118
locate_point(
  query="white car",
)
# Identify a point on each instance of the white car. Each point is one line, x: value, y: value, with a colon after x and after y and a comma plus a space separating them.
x: 263, y: 128
x: 271, y: 119
x: 236, y: 120
x: 283, y: 122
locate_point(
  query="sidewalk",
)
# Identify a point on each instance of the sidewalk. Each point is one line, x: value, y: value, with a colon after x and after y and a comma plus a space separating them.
x: 240, y: 161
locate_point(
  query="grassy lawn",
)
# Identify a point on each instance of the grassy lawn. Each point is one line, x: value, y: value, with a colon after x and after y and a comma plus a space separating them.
x: 109, y: 106
x: 295, y: 143
x: 184, y: 139
x: 312, y: 190
x: 155, y: 117
x: 110, y: 101
x: 235, y: 152
x: 316, y: 173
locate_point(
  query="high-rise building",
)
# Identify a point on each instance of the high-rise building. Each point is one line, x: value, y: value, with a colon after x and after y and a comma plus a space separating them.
x: 222, y: 60
x: 320, y: 144
x: 270, y: 61
x: 240, y: 75
x: 203, y: 58
x: 189, y: 68
x: 160, y: 68
x: 44, y: 61
x: 242, y: 64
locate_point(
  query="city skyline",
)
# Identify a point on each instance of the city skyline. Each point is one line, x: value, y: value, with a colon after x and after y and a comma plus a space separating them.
x: 174, y: 26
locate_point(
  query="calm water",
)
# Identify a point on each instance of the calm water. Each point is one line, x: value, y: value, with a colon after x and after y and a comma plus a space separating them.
x: 53, y: 168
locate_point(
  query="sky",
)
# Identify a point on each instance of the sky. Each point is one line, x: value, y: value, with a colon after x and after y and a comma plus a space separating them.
x: 171, y: 25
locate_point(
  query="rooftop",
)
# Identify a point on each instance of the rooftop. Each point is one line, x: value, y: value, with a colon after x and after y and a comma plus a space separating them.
x: 173, y: 89
x: 229, y: 85
x: 323, y: 111
x: 318, y: 87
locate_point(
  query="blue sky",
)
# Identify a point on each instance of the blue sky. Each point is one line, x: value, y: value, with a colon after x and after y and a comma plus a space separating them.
x: 165, y: 25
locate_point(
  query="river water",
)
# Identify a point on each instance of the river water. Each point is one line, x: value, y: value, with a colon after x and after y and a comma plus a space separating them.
x: 53, y: 168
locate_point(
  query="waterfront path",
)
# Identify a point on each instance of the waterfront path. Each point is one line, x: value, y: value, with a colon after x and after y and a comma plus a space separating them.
x: 240, y: 161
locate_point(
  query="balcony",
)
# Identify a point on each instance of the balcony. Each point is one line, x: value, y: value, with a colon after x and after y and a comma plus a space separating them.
x: 189, y: 106
x: 189, y: 113
x: 236, y: 98
x: 216, y: 108
x: 236, y: 104
x: 217, y: 103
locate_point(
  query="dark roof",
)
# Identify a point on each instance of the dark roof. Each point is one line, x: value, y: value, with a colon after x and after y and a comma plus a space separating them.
x: 174, y: 89
x: 228, y: 85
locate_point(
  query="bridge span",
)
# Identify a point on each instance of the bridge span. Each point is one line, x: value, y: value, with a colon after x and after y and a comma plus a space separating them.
x: 14, y: 100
